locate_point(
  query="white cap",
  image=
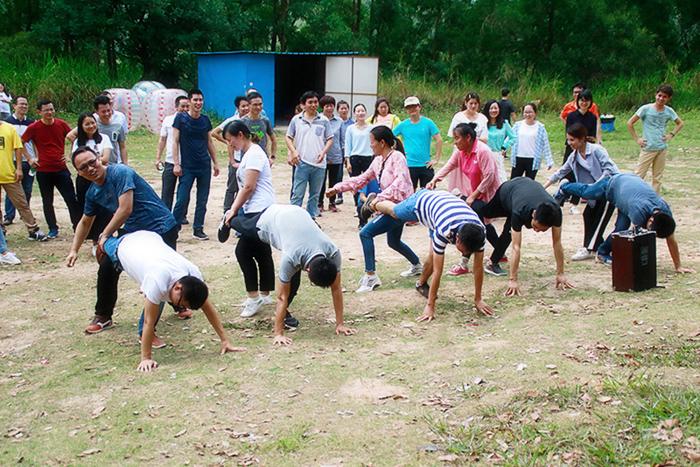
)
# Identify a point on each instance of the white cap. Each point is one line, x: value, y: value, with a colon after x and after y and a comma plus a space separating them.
x: 413, y: 100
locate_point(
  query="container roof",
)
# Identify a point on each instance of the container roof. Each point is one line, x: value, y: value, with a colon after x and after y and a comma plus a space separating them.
x: 272, y: 53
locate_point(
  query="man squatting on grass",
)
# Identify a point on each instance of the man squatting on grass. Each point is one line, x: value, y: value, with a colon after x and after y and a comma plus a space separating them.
x: 164, y: 275
x: 291, y: 230
x: 637, y: 204
x: 451, y: 221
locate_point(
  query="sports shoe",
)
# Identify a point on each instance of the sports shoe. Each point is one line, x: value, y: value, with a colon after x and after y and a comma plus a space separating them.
x: 583, y: 254
x: 320, y: 208
x: 412, y: 223
x: 185, y: 221
x: 290, y: 322
x: 574, y: 210
x: 184, y: 314
x: 7, y: 221
x: 37, y: 235
x: 366, y: 211
x: 251, y: 306
x: 559, y: 196
x: 224, y: 230
x: 332, y: 208
x: 267, y: 300
x: 458, y: 270
x: 157, y: 343
x: 339, y: 199
x: 503, y: 260
x: 53, y: 233
x: 9, y: 258
x: 200, y: 235
x: 414, y: 270
x: 368, y: 283
x: 495, y: 269
x: 604, y: 259
x: 99, y: 324
x: 319, y: 213
x: 423, y: 289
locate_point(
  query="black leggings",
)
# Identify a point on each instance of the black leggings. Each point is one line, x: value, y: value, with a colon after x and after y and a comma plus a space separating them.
x: 493, y: 210
x: 332, y: 171
x: 596, y: 218
x: 523, y: 166
x: 254, y: 255
x: 359, y: 165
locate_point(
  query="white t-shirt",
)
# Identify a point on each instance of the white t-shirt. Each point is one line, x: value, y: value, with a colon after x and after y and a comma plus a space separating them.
x: 482, y: 124
x: 264, y: 194
x: 149, y: 261
x: 5, y: 106
x: 527, y: 141
x: 98, y: 148
x: 236, y: 154
x: 166, y: 131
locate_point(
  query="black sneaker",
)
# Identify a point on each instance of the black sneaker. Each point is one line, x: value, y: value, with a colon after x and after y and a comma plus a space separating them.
x: 290, y: 322
x: 200, y: 235
x: 37, y: 235
x: 494, y: 269
x: 224, y: 230
x: 7, y: 221
x: 366, y: 211
x: 185, y: 221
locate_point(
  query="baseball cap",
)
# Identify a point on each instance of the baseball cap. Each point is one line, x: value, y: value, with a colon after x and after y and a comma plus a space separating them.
x: 413, y: 100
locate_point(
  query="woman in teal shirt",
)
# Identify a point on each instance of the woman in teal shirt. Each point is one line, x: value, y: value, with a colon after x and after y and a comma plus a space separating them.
x: 501, y: 136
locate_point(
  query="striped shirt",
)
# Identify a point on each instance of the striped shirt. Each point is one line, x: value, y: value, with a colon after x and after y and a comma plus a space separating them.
x: 444, y: 213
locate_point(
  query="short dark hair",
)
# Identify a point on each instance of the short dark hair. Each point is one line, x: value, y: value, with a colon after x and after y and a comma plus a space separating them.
x: 472, y: 237
x: 531, y: 104
x: 663, y: 224
x: 253, y: 95
x: 100, y: 100
x: 579, y: 85
x: 237, y: 101
x: 178, y: 99
x: 194, y: 291
x: 505, y: 92
x: 666, y: 88
x: 322, y: 271
x: 81, y: 150
x: 341, y: 102
x: 42, y: 102
x: 105, y: 93
x: 586, y: 94
x: 577, y: 130
x: 306, y: 96
x: 325, y: 100
x: 466, y: 129
x: 192, y: 92
x: 548, y: 214
x: 21, y: 96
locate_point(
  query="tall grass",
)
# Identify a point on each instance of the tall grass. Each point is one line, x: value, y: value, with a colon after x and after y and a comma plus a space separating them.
x: 616, y: 94
x: 70, y: 83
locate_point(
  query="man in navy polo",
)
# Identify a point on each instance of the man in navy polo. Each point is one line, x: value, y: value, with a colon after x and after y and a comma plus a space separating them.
x: 193, y: 147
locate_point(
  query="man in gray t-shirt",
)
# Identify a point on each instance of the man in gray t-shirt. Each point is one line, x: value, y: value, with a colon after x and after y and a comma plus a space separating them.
x: 113, y: 130
x: 291, y: 230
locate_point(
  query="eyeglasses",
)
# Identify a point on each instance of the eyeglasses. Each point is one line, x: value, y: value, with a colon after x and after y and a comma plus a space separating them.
x: 89, y: 164
x: 178, y: 307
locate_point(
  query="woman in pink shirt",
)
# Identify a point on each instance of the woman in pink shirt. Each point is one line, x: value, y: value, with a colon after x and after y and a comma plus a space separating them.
x: 391, y: 171
x: 474, y: 172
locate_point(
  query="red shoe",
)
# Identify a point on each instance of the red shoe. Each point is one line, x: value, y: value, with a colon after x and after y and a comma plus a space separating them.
x: 412, y: 223
x: 332, y: 208
x: 185, y: 314
x: 504, y: 260
x: 458, y: 270
x: 99, y: 324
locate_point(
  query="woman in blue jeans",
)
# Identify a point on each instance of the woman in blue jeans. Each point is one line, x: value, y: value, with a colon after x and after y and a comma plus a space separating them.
x: 391, y: 170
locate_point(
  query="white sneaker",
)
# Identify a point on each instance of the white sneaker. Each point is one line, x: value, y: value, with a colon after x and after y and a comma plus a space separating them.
x: 574, y: 210
x: 414, y: 270
x: 251, y: 306
x: 368, y: 283
x: 267, y: 299
x: 9, y: 258
x: 583, y: 254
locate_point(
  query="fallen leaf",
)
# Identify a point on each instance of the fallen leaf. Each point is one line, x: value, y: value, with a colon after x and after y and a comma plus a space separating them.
x: 180, y: 433
x: 448, y: 458
x: 96, y: 413
x: 649, y: 331
x: 89, y: 452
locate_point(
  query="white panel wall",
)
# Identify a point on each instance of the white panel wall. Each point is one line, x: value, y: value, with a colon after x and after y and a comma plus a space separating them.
x: 339, y: 75
x: 353, y: 79
x: 365, y: 75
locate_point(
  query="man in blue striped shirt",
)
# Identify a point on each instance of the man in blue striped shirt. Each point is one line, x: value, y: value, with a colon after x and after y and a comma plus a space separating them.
x: 451, y: 221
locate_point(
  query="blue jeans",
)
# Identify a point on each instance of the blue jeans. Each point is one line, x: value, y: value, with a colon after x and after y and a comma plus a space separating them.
x: 393, y: 229
x: 597, y: 191
x: 27, y: 184
x: 3, y: 244
x: 184, y: 187
x: 313, y: 176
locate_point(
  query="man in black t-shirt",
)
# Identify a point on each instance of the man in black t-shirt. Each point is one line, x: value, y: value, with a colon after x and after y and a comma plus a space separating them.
x: 507, y: 108
x: 524, y: 203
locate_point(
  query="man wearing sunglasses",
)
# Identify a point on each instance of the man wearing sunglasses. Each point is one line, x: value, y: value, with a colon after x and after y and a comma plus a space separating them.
x: 135, y: 206
x: 163, y: 275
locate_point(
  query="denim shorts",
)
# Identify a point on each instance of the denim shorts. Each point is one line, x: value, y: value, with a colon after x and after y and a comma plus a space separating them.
x: 406, y: 209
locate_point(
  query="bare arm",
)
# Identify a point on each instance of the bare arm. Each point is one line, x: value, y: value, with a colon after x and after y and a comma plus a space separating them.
x: 559, y: 257
x: 126, y: 205
x: 212, y: 153
x: 337, y: 293
x: 18, y: 164
x: 213, y: 317
x: 177, y: 169
x: 676, y: 255
x: 679, y: 125
x: 326, y: 148
x: 72, y: 135
x: 513, y: 286
x: 438, y: 264
x: 273, y: 144
x: 217, y: 134
x: 81, y: 233
x: 481, y: 306
x: 282, y: 296
x: 630, y: 125
x: 244, y: 194
x: 150, y: 315
x: 161, y: 148
x: 293, y: 158
x: 438, y: 150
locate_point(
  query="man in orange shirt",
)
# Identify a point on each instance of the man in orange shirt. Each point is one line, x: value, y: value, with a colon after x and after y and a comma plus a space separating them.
x: 571, y: 106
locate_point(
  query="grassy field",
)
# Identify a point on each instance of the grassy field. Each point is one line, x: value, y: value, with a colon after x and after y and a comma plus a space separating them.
x: 584, y: 377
